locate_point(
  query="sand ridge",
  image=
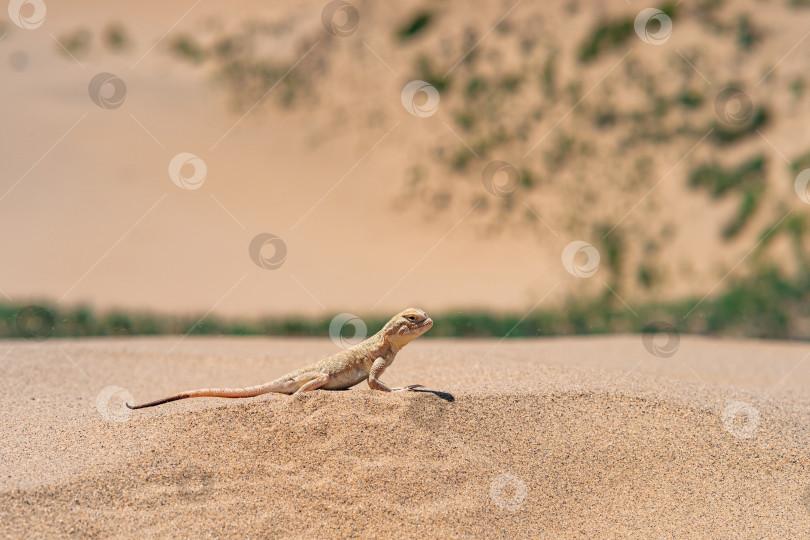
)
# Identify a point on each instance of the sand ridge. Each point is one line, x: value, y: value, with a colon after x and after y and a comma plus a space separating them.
x: 565, y: 450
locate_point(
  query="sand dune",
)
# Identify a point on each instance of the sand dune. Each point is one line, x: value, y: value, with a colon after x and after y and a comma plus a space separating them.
x: 525, y: 442
x: 346, y: 172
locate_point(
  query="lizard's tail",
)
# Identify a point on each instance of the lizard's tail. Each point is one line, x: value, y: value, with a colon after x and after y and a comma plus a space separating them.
x: 213, y: 392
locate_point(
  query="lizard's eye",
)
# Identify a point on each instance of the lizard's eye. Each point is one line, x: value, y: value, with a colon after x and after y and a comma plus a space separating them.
x: 411, y: 318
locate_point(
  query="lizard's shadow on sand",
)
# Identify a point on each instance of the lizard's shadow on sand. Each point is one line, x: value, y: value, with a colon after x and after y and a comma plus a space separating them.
x: 442, y: 395
x: 438, y: 393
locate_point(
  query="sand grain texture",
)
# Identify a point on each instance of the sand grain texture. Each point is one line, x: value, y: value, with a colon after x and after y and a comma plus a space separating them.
x: 522, y: 441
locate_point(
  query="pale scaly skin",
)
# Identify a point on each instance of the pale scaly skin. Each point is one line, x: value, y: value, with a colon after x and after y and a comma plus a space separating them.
x: 364, y: 361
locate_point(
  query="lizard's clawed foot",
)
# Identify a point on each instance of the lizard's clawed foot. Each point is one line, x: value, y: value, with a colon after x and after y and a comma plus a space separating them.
x: 408, y: 388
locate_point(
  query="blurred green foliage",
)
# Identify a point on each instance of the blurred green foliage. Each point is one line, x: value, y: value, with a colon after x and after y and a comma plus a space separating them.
x: 691, y: 99
x: 416, y: 25
x: 188, y: 48
x: 767, y: 304
x: 718, y: 180
x: 611, y: 34
x: 116, y: 37
x: 748, y: 179
x: 800, y: 163
x: 747, y: 34
x: 76, y: 43
x: 726, y: 133
x: 607, y: 35
x: 428, y: 73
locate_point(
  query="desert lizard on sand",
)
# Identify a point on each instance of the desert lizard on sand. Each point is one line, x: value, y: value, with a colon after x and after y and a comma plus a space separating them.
x: 366, y: 360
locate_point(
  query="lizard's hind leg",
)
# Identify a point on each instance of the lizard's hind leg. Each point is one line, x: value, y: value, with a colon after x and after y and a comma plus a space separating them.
x: 319, y: 380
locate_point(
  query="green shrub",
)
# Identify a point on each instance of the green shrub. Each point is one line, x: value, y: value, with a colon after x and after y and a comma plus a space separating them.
x: 725, y: 133
x: 416, y: 25
x: 614, y: 33
x: 718, y: 180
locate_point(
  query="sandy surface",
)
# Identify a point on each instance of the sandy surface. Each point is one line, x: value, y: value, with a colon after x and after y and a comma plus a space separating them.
x: 557, y: 437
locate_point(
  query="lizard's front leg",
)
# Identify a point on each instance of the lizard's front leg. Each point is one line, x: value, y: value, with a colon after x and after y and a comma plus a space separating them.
x: 376, y: 371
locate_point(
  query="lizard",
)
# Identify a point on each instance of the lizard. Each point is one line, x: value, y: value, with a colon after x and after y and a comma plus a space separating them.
x: 365, y: 361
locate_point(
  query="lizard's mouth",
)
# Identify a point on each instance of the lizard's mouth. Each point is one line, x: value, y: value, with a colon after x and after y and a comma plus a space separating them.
x: 427, y: 323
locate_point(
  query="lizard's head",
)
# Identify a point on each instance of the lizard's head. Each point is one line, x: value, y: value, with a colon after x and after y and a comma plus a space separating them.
x: 407, y: 326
